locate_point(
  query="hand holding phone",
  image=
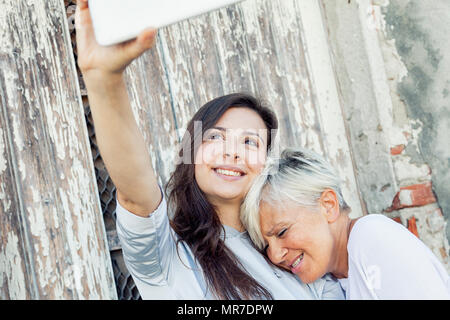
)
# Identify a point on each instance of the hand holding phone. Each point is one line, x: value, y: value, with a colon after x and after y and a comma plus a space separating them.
x: 101, y: 59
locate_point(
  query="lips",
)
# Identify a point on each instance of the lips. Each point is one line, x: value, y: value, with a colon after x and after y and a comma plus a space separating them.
x: 296, y: 264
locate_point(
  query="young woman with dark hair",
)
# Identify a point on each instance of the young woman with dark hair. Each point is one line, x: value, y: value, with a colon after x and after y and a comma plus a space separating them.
x: 203, y: 251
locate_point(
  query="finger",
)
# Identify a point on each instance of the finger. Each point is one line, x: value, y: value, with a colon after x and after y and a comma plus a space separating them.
x: 144, y: 41
x: 82, y: 17
x: 147, y: 37
x: 82, y: 4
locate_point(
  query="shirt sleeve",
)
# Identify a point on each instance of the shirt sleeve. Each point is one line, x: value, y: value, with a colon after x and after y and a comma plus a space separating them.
x: 394, y: 263
x: 148, y: 244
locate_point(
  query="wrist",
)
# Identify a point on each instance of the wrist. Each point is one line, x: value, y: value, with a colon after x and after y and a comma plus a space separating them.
x: 102, y: 79
x: 101, y: 74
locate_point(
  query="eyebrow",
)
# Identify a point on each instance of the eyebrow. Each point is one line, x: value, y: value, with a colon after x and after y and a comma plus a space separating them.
x: 271, y: 231
x: 245, y: 132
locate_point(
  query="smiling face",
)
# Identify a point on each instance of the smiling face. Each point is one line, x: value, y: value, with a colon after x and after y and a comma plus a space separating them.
x: 232, y: 154
x: 297, y: 239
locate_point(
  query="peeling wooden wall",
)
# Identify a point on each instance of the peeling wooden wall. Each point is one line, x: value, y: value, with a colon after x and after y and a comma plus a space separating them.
x: 52, y: 237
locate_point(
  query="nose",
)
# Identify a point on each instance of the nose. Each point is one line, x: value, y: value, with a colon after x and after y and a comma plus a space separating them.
x: 234, y: 156
x: 232, y: 149
x: 277, y: 254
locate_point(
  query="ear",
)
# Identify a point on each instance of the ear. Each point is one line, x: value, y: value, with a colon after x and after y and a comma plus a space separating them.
x: 329, y: 205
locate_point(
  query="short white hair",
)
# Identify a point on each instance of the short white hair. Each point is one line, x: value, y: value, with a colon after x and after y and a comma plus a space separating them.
x: 299, y: 176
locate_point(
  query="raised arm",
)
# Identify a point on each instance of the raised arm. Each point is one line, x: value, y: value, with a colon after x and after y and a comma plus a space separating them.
x: 120, y: 142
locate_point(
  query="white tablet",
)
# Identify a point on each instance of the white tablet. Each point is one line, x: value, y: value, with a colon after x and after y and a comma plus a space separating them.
x: 116, y: 21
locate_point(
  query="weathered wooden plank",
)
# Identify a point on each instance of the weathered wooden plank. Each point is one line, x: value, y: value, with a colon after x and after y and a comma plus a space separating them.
x: 177, y: 65
x: 14, y: 276
x: 54, y: 231
x: 234, y: 62
x: 151, y: 101
x: 301, y: 108
x: 205, y: 71
x: 269, y: 41
x: 334, y: 134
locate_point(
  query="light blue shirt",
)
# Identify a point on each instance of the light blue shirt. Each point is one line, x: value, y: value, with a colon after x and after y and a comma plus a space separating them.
x: 160, y: 272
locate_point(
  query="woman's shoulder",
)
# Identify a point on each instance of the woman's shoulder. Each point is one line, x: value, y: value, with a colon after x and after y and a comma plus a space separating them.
x: 388, y: 256
x: 377, y: 232
x: 378, y: 240
x: 377, y: 225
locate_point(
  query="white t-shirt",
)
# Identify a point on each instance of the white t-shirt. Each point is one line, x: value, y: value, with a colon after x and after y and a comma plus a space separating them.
x: 386, y: 261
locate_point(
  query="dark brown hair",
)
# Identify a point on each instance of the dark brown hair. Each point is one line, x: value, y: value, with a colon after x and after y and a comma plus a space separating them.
x: 196, y: 221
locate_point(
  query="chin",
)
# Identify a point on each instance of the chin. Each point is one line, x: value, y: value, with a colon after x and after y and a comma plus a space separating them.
x: 230, y: 194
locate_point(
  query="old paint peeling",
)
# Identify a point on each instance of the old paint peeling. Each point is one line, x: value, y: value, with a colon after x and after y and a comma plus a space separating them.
x: 6, y: 202
x: 17, y: 131
x: 2, y: 156
x: 45, y: 115
x: 11, y: 268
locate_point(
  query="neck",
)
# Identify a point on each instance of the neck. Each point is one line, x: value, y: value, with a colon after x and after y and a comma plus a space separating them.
x: 228, y: 212
x: 341, y: 230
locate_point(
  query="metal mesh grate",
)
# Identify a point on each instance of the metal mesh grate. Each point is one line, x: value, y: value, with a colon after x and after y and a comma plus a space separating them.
x: 126, y: 288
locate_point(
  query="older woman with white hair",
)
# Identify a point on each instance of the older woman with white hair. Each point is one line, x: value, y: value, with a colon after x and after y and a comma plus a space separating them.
x: 295, y: 213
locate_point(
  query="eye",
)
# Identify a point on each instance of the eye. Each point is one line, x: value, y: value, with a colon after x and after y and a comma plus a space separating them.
x: 282, y: 233
x: 215, y: 136
x: 251, y: 142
